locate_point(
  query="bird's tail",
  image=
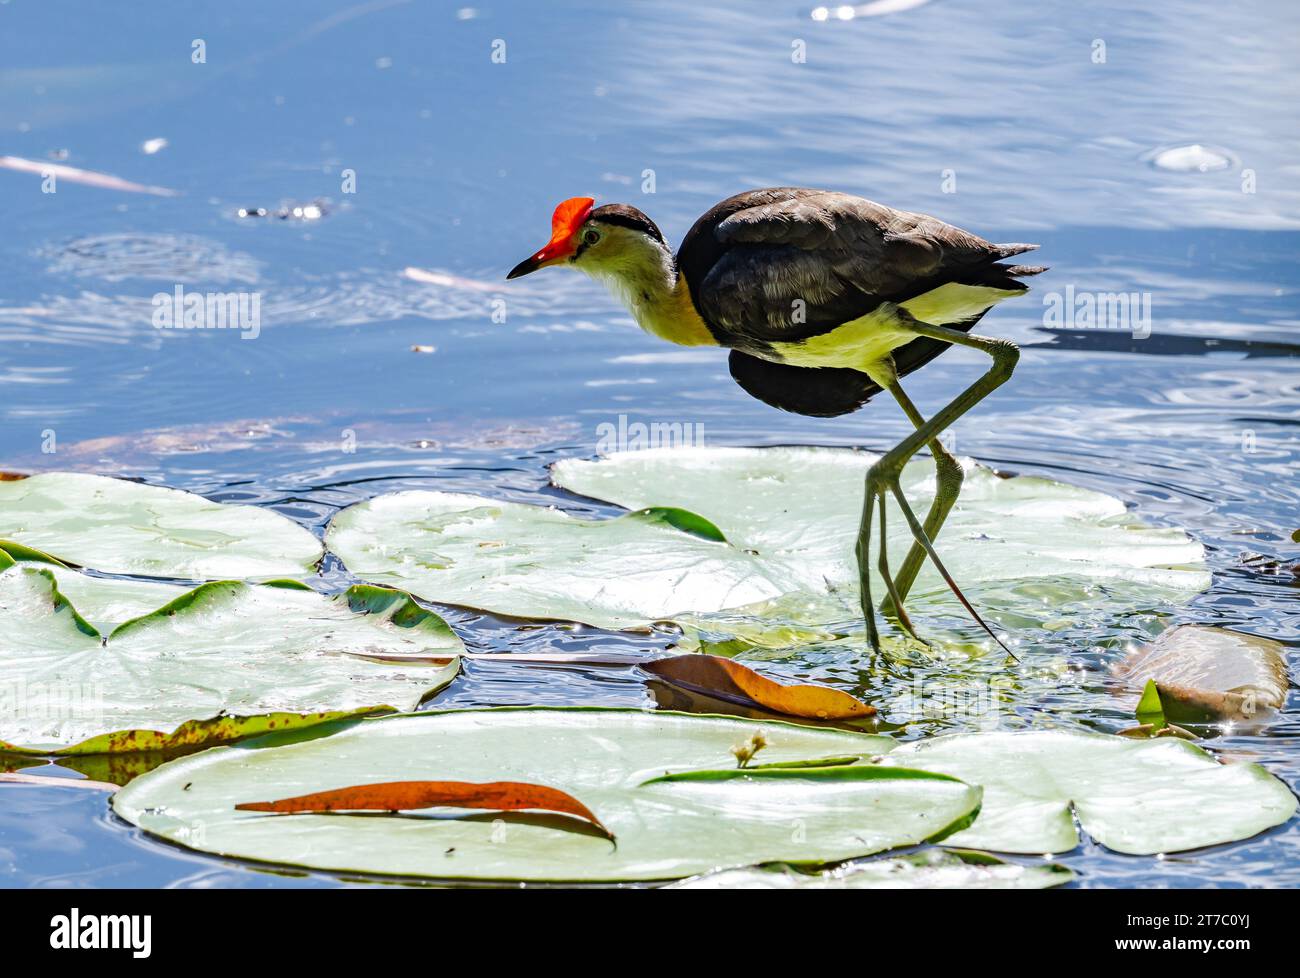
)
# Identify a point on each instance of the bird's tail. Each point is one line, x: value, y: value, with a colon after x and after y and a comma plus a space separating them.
x: 1007, y: 250
x: 1002, y: 276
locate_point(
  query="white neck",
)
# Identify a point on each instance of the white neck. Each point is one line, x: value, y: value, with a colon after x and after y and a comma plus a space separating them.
x: 643, y: 276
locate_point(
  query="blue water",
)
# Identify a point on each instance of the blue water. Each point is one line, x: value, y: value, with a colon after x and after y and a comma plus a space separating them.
x: 996, y: 117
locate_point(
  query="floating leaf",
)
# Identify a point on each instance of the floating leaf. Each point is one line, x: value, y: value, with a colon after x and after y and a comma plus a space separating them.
x: 1148, y: 708
x: 780, y: 548
x: 931, y: 869
x: 218, y: 662
x: 46, y: 781
x: 805, y: 772
x: 12, y: 552
x: 1202, y: 673
x: 797, y: 502
x: 106, y: 602
x: 532, y: 562
x: 71, y: 174
x: 1151, y: 718
x: 120, y: 527
x: 732, y: 681
x: 834, y: 760
x: 601, y: 756
x: 1133, y: 796
x: 403, y: 796
x: 682, y: 519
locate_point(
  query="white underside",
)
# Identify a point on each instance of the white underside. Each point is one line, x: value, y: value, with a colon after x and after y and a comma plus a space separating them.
x: 862, y: 344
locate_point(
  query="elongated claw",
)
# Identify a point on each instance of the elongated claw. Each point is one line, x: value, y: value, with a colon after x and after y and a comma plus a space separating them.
x: 895, y: 602
x: 864, y: 572
x: 918, y: 533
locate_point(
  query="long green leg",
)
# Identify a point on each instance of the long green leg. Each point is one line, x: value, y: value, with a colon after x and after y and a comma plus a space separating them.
x: 948, y: 480
x: 895, y: 599
x: 884, y: 474
x: 863, y: 550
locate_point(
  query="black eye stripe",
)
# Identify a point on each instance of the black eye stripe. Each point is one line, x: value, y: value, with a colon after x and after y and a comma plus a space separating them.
x: 622, y: 215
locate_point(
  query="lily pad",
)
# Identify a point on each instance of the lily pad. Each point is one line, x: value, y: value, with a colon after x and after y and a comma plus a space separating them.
x: 930, y: 869
x: 1134, y: 796
x: 105, y: 602
x: 1204, y: 673
x: 803, y: 504
x: 221, y: 661
x: 602, y: 756
x: 785, y: 521
x: 121, y: 527
x: 536, y: 562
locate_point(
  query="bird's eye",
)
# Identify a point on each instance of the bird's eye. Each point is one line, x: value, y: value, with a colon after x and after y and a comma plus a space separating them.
x: 590, y: 237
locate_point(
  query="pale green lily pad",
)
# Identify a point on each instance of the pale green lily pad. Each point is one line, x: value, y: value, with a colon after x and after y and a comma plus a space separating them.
x: 601, y: 757
x: 536, y: 562
x: 789, y: 520
x: 930, y: 869
x: 107, y: 602
x: 121, y: 527
x: 1134, y: 796
x: 801, y: 506
x: 221, y: 661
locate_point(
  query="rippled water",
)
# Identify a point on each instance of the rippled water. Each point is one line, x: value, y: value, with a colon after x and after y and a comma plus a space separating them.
x: 1171, y: 167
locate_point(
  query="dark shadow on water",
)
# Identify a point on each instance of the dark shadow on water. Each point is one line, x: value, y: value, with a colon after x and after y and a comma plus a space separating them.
x: 1163, y: 344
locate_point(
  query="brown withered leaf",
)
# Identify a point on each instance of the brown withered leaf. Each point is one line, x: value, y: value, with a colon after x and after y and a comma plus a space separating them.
x: 1204, y: 673
x: 400, y: 796
x: 730, y: 680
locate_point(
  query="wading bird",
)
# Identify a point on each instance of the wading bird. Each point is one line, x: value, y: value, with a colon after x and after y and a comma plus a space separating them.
x: 824, y: 300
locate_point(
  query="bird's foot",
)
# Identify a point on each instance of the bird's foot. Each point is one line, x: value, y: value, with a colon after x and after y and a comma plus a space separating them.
x: 883, y: 478
x: 880, y: 479
x: 892, y: 607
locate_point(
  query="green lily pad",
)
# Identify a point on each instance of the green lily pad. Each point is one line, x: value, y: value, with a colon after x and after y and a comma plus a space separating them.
x: 221, y: 661
x: 121, y: 527
x: 763, y: 534
x: 106, y: 602
x: 1134, y: 796
x: 536, y: 562
x: 602, y: 757
x: 803, y: 505
x: 930, y: 869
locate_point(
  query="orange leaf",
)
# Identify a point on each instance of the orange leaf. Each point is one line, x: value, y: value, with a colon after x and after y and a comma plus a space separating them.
x: 726, y: 679
x: 397, y: 796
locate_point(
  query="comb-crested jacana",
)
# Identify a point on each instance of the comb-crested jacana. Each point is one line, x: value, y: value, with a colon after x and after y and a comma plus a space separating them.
x: 824, y: 300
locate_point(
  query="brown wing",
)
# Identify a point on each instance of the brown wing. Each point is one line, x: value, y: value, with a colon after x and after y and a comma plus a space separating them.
x: 753, y: 256
x: 819, y: 392
x: 788, y: 263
